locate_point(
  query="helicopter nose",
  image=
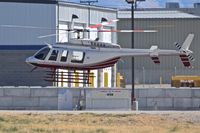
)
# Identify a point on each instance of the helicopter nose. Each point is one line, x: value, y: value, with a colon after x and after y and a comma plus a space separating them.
x: 29, y: 60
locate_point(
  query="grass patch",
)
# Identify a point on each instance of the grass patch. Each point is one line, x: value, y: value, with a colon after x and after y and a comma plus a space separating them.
x: 174, y: 129
x: 93, y: 123
x: 22, y: 121
x: 11, y: 129
x: 101, y: 130
x: 2, y: 119
x: 39, y: 130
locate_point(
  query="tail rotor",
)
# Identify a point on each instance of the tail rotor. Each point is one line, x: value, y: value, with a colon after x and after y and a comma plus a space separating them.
x: 177, y: 45
x: 186, y: 54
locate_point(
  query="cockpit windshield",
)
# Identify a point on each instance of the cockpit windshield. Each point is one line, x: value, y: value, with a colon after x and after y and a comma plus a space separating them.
x: 41, y: 55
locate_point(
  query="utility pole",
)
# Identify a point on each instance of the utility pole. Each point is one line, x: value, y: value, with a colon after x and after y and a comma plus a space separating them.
x: 133, y: 99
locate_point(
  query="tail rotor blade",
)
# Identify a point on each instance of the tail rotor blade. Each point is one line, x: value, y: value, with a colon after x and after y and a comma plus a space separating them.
x: 177, y: 45
x: 191, y: 57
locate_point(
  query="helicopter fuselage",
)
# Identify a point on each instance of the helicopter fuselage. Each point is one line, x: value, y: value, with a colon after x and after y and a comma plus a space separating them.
x: 73, y: 57
x: 89, y: 55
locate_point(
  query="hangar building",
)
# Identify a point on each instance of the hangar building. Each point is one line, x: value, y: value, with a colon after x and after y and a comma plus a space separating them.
x: 16, y: 44
x: 173, y: 25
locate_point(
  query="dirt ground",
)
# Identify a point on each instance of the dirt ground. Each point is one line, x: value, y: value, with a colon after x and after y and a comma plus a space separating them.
x: 99, y: 123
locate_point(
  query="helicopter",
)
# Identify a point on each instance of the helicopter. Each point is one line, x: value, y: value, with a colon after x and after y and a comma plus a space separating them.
x: 84, y: 54
x: 87, y: 55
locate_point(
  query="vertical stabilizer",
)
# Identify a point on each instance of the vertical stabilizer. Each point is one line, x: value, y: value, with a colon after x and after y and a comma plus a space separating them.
x: 187, y: 42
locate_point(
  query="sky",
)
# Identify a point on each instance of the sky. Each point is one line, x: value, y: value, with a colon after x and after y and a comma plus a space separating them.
x: 146, y: 4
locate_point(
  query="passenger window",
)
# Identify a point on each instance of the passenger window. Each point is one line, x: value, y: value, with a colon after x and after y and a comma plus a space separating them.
x: 54, y: 55
x: 64, y: 56
x: 78, y: 57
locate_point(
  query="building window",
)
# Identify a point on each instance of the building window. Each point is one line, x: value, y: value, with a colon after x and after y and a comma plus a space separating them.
x: 64, y: 56
x: 63, y: 35
x: 78, y: 56
x: 54, y: 55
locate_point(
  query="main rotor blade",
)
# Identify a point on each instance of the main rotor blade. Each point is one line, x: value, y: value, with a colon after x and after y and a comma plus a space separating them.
x: 129, y: 31
x: 102, y: 24
x: 88, y: 29
x: 30, y: 27
x: 50, y: 35
x: 162, y: 26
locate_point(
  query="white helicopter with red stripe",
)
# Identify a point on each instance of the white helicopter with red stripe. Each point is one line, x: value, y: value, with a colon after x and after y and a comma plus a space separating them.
x: 85, y: 54
x: 88, y: 55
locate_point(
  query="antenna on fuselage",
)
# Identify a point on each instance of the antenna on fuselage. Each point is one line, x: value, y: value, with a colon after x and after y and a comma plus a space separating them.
x: 48, y: 44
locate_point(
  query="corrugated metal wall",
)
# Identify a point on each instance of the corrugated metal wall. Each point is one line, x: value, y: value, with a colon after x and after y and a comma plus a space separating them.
x: 26, y: 14
x: 16, y: 44
x: 169, y: 31
x: 15, y: 72
x: 66, y: 11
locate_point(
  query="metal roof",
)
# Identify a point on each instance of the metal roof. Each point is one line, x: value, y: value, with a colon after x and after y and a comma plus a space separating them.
x: 66, y: 3
x: 156, y: 14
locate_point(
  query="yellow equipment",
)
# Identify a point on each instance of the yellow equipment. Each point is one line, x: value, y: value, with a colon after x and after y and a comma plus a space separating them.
x: 185, y: 81
x: 120, y: 81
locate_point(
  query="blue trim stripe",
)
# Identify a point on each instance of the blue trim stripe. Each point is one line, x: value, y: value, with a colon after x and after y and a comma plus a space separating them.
x: 21, y: 47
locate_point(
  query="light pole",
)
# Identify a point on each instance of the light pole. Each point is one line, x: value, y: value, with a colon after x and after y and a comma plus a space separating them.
x: 133, y: 99
x: 132, y: 2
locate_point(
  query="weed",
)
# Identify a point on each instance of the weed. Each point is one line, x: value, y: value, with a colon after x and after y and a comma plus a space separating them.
x: 38, y: 130
x: 174, y: 129
x: 22, y: 121
x: 10, y: 129
x: 101, y: 130
x: 2, y: 119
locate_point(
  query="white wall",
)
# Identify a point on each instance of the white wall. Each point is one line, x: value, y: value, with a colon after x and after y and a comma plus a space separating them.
x: 65, y: 14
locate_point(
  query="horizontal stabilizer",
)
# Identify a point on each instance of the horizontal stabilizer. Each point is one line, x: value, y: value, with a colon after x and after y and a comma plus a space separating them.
x: 154, y: 54
x: 155, y: 60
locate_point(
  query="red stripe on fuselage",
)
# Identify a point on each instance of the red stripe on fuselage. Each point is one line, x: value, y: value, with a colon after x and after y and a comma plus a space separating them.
x: 100, y: 65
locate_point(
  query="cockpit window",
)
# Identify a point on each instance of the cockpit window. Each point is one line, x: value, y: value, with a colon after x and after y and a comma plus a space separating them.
x: 54, y: 55
x: 41, y: 55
